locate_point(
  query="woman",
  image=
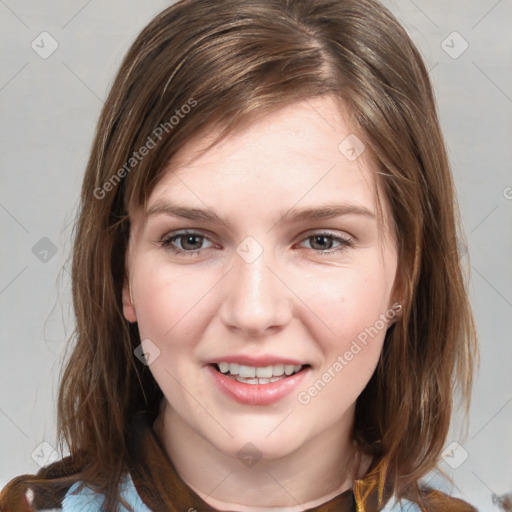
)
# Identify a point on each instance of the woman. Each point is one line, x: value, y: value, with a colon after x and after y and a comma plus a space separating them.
x: 270, y: 308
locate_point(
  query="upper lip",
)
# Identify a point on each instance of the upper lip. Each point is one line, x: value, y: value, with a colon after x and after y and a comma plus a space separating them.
x: 259, y: 361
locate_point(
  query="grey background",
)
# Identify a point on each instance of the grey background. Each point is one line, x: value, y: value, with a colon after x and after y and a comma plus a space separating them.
x: 49, y: 109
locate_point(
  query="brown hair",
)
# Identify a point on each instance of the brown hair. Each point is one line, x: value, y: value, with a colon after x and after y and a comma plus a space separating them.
x: 231, y: 61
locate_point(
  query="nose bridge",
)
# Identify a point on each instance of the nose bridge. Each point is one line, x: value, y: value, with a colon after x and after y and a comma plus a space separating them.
x: 255, y: 298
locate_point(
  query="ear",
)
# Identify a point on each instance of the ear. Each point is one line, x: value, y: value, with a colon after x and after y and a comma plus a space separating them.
x: 397, y: 309
x: 128, y: 307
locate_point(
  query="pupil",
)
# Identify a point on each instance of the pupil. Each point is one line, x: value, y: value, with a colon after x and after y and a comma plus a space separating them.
x: 189, y: 240
x: 318, y: 238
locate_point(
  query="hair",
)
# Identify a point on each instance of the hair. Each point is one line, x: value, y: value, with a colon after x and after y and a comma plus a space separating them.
x: 230, y: 62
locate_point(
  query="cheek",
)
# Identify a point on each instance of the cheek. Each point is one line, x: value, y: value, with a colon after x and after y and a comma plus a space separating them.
x: 351, y: 303
x: 353, y: 314
x: 350, y: 357
x: 169, y: 301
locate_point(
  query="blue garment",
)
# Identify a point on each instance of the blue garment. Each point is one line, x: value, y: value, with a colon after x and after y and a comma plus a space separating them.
x: 87, y: 500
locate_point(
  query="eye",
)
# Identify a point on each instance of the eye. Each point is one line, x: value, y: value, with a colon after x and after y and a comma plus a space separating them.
x: 190, y: 243
x: 322, y: 242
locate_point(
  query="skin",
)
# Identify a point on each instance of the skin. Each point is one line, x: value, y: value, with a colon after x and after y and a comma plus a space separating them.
x: 295, y: 300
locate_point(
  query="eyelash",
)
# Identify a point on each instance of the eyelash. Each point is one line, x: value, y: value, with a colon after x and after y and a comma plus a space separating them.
x: 167, y: 241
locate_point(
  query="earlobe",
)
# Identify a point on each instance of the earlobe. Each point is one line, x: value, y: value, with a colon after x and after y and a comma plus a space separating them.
x: 128, y: 307
x: 395, y: 312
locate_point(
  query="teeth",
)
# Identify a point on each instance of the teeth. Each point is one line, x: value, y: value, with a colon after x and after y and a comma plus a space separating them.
x: 288, y: 369
x: 278, y: 369
x: 247, y: 381
x: 263, y: 373
x: 224, y: 367
x: 233, y: 368
x: 247, y: 371
x: 256, y: 381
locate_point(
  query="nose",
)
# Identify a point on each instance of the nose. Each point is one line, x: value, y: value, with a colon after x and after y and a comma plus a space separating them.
x: 257, y: 301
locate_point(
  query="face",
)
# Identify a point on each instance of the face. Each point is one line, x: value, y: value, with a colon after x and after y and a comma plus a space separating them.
x: 229, y: 267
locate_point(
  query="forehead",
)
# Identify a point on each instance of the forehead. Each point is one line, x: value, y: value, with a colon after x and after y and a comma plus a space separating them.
x: 315, y: 124
x: 306, y: 153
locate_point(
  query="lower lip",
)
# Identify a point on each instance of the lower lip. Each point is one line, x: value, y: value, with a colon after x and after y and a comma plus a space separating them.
x: 257, y: 394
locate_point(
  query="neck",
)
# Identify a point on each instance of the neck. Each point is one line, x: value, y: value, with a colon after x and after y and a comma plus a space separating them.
x: 313, y: 474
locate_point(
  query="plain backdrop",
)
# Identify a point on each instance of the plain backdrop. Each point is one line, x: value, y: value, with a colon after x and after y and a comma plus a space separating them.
x: 58, y: 63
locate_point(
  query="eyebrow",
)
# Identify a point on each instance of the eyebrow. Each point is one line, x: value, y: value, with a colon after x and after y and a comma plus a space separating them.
x: 293, y: 215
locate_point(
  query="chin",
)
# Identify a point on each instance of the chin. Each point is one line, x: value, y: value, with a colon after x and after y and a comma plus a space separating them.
x: 257, y: 443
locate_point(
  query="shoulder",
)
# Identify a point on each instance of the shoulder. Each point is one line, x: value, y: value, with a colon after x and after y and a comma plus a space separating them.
x: 433, y: 493
x: 79, y: 497
x: 434, y: 501
x: 436, y: 495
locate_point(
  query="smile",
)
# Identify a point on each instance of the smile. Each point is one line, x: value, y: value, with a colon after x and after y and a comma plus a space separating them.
x: 257, y: 385
x: 257, y: 374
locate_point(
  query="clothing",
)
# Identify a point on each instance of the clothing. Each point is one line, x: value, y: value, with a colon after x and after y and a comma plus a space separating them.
x: 153, y: 485
x: 88, y: 501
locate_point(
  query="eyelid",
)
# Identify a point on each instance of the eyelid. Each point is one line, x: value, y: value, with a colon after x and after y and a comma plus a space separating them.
x: 327, y: 232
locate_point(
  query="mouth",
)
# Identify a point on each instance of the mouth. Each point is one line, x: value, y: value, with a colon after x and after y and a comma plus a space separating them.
x: 258, y: 374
